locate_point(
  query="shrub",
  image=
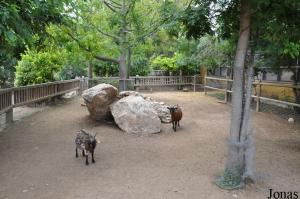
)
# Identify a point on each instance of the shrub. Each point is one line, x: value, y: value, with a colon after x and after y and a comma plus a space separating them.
x: 38, y: 67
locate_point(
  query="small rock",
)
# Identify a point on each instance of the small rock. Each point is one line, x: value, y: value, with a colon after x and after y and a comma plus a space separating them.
x: 25, y: 190
x: 129, y: 93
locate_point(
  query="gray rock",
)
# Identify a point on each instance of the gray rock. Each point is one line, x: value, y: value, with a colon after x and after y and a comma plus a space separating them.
x: 135, y: 115
x: 129, y: 93
x: 98, y: 99
x: 162, y: 111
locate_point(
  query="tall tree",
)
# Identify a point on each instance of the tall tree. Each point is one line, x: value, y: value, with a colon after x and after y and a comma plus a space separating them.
x: 223, y: 17
x: 239, y: 162
x: 117, y: 25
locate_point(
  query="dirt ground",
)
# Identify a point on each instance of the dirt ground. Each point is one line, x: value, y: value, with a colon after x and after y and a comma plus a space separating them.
x: 37, y: 155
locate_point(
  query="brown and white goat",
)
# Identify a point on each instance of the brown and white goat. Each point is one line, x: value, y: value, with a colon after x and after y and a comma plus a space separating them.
x: 87, y: 143
x: 176, y: 115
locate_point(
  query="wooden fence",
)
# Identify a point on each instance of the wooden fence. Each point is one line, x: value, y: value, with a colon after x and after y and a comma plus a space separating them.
x: 19, y: 96
x: 226, y: 88
x: 152, y: 81
x: 135, y: 82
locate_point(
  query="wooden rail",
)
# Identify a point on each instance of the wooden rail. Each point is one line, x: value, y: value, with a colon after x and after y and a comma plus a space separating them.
x: 19, y: 96
x: 5, y: 100
x: 147, y: 81
x: 258, y: 96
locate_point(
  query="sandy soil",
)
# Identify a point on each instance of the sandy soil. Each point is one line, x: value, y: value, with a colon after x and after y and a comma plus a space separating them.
x: 38, y: 158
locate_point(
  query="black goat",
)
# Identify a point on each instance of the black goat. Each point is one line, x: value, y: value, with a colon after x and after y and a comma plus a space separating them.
x: 87, y: 143
x: 176, y: 115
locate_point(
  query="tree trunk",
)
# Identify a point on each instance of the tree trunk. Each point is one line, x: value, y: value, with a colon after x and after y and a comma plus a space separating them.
x: 90, y: 74
x: 296, y: 78
x: 235, y: 165
x: 129, y: 53
x: 123, y: 49
x: 123, y: 72
x: 90, y: 70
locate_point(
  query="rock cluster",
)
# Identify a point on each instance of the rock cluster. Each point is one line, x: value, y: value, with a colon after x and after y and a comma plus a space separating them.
x: 132, y: 112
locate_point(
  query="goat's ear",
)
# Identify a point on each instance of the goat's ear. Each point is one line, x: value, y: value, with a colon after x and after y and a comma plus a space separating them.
x: 168, y: 107
x: 95, y: 134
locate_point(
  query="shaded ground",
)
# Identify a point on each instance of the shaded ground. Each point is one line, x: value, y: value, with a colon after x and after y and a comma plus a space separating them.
x: 38, y: 158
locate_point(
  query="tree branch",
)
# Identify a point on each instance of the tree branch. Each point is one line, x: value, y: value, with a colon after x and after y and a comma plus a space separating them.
x: 111, y: 7
x: 99, y: 57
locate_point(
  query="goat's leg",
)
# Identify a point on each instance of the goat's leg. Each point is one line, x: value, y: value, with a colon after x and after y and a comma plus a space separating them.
x: 83, y: 153
x: 93, y: 160
x: 175, y: 126
x: 87, y: 158
x: 76, y: 154
x: 178, y: 124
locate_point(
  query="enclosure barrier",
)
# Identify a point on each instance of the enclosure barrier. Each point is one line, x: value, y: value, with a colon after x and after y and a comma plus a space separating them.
x: 19, y: 96
x: 134, y: 82
x: 227, y: 84
x: 152, y: 81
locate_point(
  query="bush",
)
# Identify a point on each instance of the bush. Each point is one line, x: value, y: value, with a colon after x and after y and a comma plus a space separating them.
x: 140, y: 66
x: 164, y: 63
x: 38, y: 67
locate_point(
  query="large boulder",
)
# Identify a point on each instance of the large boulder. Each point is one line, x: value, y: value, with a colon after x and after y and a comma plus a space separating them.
x: 160, y: 107
x: 133, y: 114
x: 162, y: 110
x: 98, y: 99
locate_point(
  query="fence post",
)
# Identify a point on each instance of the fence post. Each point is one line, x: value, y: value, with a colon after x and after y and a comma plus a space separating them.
x: 258, y: 98
x: 194, y: 82
x: 81, y: 86
x: 9, y: 115
x: 226, y: 91
x: 205, y: 90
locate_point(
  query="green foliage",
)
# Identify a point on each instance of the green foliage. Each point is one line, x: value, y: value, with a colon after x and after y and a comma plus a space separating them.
x: 105, y: 69
x: 212, y: 52
x: 38, y: 67
x: 165, y: 63
x: 23, y: 24
x: 140, y: 66
x: 196, y: 19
